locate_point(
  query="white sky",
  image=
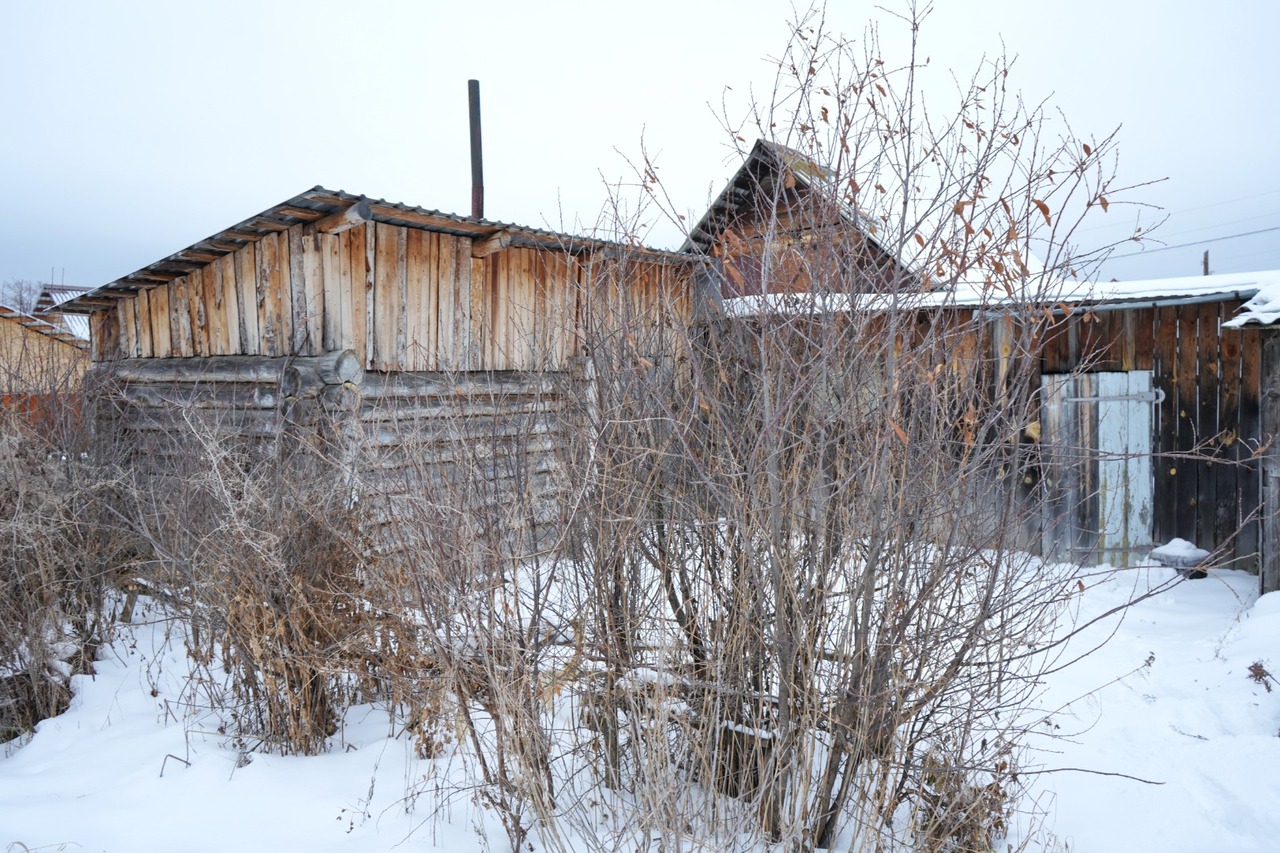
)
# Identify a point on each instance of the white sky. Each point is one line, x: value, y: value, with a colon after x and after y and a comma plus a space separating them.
x: 133, y: 129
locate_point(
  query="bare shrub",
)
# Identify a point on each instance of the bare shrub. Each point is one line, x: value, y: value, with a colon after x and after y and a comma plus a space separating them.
x: 802, y: 514
x: 61, y: 547
x: 261, y: 554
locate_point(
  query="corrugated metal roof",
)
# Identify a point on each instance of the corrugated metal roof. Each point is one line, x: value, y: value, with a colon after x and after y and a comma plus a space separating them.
x: 44, y: 327
x: 317, y: 203
x: 47, y: 307
x: 1048, y: 292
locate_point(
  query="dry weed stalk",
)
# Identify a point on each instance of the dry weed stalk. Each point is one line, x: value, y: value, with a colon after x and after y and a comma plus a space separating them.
x: 61, y: 550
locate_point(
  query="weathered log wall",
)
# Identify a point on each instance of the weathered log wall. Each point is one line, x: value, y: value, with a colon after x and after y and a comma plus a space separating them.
x: 417, y: 449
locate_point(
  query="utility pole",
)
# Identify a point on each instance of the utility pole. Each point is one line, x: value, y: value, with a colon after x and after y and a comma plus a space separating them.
x: 1206, y: 261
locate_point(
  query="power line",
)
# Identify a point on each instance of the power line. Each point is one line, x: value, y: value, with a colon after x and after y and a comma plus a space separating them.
x: 1194, y: 243
x: 1169, y: 212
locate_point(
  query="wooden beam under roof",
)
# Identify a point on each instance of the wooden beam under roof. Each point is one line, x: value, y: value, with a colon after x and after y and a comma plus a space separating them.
x: 306, y: 214
x: 344, y: 220
x: 266, y: 223
x: 490, y: 245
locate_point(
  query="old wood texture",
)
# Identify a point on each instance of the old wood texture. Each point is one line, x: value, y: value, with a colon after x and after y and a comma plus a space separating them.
x: 1206, y: 428
x: 1270, y: 414
x: 486, y: 444
x: 403, y: 298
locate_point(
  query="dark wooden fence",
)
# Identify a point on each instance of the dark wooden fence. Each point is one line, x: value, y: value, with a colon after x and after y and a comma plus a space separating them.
x: 1206, y: 430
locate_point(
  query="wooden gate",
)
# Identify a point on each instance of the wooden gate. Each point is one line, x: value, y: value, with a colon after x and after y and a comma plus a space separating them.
x: 1098, y: 480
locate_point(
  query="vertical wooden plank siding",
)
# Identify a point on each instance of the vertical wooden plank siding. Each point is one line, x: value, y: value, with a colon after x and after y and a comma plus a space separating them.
x: 104, y: 331
x: 480, y: 318
x: 521, y: 331
x: 336, y: 309
x: 419, y: 276
x: 215, y: 318
x: 160, y: 326
x: 313, y: 289
x: 1206, y: 421
x: 124, y: 318
x: 195, y: 307
x: 499, y: 308
x: 281, y: 288
x: 1143, y: 332
x: 407, y: 298
x: 1164, y: 371
x: 230, y: 302
x: 370, y: 245
x: 1228, y: 472
x: 442, y: 304
x: 146, y: 346
x: 388, y: 274
x: 299, y: 306
x: 356, y: 291
x: 180, y: 316
x: 247, y: 298
x: 1188, y: 468
x: 1249, y: 478
x: 1269, y: 567
x: 270, y: 301
x: 461, y: 356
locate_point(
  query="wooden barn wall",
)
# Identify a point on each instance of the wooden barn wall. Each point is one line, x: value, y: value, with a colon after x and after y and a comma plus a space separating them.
x: 485, y: 445
x: 488, y: 446
x: 402, y: 298
x: 1207, y: 428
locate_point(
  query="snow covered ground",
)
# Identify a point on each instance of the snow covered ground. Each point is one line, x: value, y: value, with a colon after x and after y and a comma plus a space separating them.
x: 1170, y: 698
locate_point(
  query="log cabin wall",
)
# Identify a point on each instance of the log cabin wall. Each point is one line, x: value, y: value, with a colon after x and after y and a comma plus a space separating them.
x: 456, y: 355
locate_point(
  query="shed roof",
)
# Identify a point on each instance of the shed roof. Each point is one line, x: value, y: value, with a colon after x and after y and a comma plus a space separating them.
x: 316, y: 204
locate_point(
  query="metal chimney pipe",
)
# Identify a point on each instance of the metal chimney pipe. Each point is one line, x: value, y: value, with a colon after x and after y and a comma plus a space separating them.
x: 477, y: 162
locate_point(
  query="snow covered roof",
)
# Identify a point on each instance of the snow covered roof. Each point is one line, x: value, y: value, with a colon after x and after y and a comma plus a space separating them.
x: 1114, y: 294
x: 48, y: 308
x: 1264, y: 308
x: 53, y: 295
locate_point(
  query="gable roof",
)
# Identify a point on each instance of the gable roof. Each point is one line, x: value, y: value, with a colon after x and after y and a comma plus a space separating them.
x: 319, y: 203
x: 53, y: 295
x: 49, y: 307
x: 764, y: 165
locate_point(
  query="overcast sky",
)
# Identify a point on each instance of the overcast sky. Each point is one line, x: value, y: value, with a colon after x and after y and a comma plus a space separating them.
x: 133, y: 129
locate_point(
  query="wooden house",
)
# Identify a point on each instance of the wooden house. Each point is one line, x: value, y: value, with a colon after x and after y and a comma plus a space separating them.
x: 778, y: 206
x: 1257, y: 324
x: 425, y: 333
x: 40, y: 366
x: 1145, y: 412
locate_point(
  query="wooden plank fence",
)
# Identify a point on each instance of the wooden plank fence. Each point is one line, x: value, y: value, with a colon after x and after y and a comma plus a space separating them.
x: 1205, y: 430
